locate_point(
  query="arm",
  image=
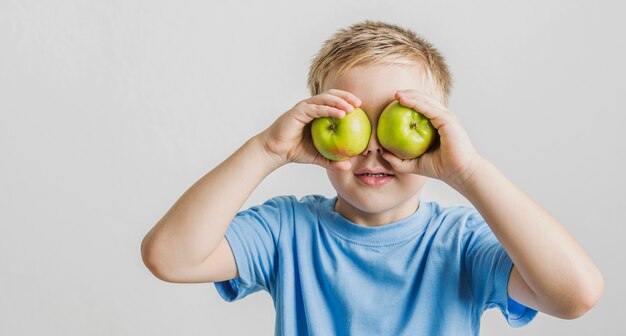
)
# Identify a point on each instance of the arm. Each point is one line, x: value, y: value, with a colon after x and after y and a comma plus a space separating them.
x: 188, y: 244
x: 551, y: 271
x: 194, y: 227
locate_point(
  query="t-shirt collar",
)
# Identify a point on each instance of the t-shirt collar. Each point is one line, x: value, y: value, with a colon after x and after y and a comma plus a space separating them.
x: 389, y: 234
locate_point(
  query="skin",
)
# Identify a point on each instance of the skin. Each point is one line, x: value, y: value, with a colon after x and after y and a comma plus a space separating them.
x: 399, y: 199
x: 552, y: 273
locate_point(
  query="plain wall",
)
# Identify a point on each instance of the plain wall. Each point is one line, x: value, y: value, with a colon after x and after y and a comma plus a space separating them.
x: 110, y: 110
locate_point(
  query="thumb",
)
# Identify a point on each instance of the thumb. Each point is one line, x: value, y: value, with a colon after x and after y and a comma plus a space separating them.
x: 400, y: 165
x: 332, y: 165
x: 340, y: 165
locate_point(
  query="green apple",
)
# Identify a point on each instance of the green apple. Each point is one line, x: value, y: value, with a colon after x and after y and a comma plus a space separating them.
x: 339, y: 139
x: 405, y: 132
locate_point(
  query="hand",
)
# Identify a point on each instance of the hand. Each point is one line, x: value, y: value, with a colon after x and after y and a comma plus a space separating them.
x: 288, y: 139
x: 453, y: 159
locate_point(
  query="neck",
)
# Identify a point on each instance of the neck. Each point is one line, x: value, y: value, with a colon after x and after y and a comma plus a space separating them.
x: 379, y: 218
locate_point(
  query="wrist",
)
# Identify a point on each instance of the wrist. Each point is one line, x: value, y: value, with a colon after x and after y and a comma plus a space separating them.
x: 266, y: 156
x: 465, y: 178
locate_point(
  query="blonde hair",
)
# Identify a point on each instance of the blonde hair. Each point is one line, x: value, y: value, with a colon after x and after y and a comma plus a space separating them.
x: 374, y: 42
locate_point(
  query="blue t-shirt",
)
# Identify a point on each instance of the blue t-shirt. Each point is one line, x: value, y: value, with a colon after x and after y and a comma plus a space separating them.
x: 433, y: 273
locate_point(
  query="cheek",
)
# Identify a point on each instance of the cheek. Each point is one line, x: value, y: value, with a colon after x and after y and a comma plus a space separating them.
x: 342, y: 182
x: 336, y: 178
x: 415, y: 182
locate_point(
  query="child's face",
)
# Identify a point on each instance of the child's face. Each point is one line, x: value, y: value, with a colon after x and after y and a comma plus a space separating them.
x: 370, y: 200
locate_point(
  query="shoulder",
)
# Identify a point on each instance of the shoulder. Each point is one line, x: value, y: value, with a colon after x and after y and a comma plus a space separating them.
x: 462, y: 220
x: 292, y: 200
x: 455, y: 214
x: 462, y: 226
x: 290, y: 205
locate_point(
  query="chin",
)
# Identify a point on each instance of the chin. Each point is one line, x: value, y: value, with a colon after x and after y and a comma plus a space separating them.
x: 371, y: 205
x: 401, y: 196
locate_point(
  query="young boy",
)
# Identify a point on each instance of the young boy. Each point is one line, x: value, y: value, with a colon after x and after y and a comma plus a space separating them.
x: 375, y: 259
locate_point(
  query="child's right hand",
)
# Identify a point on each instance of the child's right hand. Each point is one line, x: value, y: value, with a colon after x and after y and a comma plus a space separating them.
x: 288, y: 139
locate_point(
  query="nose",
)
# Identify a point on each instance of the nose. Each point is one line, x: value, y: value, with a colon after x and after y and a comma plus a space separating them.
x: 373, y: 145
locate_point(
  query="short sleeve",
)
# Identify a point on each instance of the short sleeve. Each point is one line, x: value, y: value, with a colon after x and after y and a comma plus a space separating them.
x: 253, y: 236
x: 488, y: 267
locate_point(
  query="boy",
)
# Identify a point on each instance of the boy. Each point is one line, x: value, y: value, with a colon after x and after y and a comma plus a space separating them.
x: 375, y: 259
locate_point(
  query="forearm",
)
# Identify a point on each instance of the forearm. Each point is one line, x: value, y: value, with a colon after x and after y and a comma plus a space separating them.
x: 196, y: 223
x: 548, y: 258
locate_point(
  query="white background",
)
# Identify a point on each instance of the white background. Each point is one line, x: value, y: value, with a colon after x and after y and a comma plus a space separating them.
x: 110, y: 110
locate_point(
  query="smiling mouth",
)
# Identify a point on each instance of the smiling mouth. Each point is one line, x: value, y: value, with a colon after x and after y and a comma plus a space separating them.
x: 375, y: 175
x: 375, y: 179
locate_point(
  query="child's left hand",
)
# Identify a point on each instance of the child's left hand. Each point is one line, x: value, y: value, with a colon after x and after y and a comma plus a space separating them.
x: 454, y: 159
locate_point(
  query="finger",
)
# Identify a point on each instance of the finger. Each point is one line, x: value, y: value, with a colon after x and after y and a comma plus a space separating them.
x: 426, y: 99
x: 437, y: 115
x: 399, y: 165
x: 331, y: 100
x: 318, y: 111
x: 306, y: 112
x: 340, y: 165
x: 332, y: 165
x: 347, y: 96
x: 422, y: 94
